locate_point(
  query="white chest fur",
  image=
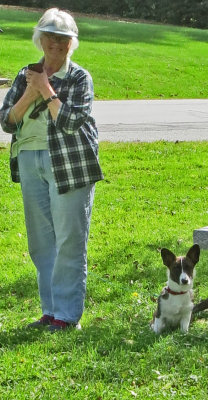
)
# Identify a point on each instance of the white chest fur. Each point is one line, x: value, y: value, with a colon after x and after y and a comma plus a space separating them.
x: 175, y: 307
x: 175, y: 311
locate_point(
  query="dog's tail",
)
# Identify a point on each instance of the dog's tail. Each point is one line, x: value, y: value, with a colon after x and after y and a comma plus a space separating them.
x: 203, y: 305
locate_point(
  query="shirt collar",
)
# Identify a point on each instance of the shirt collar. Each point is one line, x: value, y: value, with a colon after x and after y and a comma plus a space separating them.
x: 63, y: 70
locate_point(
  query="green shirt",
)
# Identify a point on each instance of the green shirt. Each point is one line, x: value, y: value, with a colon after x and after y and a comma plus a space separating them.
x: 33, y: 133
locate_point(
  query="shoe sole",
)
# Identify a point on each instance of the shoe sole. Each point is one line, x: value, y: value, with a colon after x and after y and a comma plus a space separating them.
x: 53, y: 329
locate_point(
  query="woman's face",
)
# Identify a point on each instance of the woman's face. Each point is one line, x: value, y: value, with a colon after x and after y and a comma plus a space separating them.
x: 55, y: 46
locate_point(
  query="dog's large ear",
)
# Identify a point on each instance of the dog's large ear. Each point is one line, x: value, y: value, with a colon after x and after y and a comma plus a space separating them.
x: 194, y: 253
x: 168, y: 257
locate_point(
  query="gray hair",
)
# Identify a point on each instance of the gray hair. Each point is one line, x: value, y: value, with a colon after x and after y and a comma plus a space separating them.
x: 62, y: 23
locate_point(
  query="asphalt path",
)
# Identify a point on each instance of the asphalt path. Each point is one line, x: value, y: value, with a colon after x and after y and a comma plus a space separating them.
x: 146, y: 120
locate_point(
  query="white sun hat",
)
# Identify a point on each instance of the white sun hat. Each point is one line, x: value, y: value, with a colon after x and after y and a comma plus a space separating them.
x: 54, y: 29
x: 59, y: 22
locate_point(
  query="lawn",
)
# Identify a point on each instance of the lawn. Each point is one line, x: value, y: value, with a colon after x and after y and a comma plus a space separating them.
x: 154, y: 195
x: 127, y: 60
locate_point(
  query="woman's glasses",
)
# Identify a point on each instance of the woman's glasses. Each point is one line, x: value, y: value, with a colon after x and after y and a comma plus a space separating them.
x: 56, y: 37
x: 36, y: 111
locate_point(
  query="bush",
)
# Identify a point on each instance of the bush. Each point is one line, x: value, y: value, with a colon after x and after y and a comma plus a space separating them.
x: 180, y: 12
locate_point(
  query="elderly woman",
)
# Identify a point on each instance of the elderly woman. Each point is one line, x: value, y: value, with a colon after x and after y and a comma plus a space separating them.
x: 54, y: 155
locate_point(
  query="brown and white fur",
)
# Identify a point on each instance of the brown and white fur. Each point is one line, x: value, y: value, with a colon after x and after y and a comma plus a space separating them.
x: 175, y: 302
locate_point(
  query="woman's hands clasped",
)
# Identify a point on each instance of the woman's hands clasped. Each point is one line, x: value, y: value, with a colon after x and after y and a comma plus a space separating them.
x: 36, y: 82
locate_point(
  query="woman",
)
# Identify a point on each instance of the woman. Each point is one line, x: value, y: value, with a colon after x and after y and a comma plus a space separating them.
x: 54, y: 155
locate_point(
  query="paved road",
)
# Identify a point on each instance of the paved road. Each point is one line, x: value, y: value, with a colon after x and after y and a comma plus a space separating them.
x: 147, y: 120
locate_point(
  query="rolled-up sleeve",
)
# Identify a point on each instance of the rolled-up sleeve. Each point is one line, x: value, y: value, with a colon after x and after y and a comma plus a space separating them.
x: 10, y: 100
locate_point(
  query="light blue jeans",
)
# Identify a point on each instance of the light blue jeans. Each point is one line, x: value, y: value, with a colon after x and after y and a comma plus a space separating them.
x: 57, y: 229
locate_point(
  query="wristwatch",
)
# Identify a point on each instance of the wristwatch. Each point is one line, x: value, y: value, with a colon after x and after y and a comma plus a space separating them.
x: 55, y: 96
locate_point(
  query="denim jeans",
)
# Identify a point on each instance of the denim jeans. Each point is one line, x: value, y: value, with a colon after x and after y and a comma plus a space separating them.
x: 57, y: 230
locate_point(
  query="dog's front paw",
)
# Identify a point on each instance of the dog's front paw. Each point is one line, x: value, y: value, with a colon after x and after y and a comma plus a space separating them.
x: 152, y: 326
x: 184, y: 326
x: 156, y: 326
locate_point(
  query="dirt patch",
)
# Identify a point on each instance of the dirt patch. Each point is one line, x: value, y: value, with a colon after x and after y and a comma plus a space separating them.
x: 21, y: 8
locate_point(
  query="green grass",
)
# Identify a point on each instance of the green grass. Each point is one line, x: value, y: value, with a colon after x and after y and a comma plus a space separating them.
x: 126, y: 60
x: 154, y: 195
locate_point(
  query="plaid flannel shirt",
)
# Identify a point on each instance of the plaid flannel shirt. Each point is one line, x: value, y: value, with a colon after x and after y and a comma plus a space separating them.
x: 72, y: 138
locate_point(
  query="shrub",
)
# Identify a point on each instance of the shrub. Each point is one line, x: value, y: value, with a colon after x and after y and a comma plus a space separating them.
x: 180, y: 12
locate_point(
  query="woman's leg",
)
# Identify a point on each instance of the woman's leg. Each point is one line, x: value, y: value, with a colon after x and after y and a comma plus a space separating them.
x: 58, y: 228
x: 39, y: 224
x: 71, y: 217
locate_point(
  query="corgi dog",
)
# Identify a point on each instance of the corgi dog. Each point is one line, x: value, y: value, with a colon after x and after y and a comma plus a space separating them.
x: 175, y: 304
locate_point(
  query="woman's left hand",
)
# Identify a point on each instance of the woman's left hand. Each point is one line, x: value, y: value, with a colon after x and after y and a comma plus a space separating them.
x: 38, y: 81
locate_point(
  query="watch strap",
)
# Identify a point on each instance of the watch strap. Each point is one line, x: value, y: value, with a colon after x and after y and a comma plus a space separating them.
x: 47, y: 101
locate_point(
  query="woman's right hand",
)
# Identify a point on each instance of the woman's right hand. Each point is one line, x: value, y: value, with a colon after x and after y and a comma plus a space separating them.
x: 31, y: 92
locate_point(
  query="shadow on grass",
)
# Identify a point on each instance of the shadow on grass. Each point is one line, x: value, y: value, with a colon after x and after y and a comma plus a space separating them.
x: 115, y: 32
x: 102, y: 30
x: 105, y: 31
x: 105, y: 337
x: 198, y: 35
x: 122, y: 32
x: 22, y: 289
x: 96, y: 34
x: 17, y: 336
